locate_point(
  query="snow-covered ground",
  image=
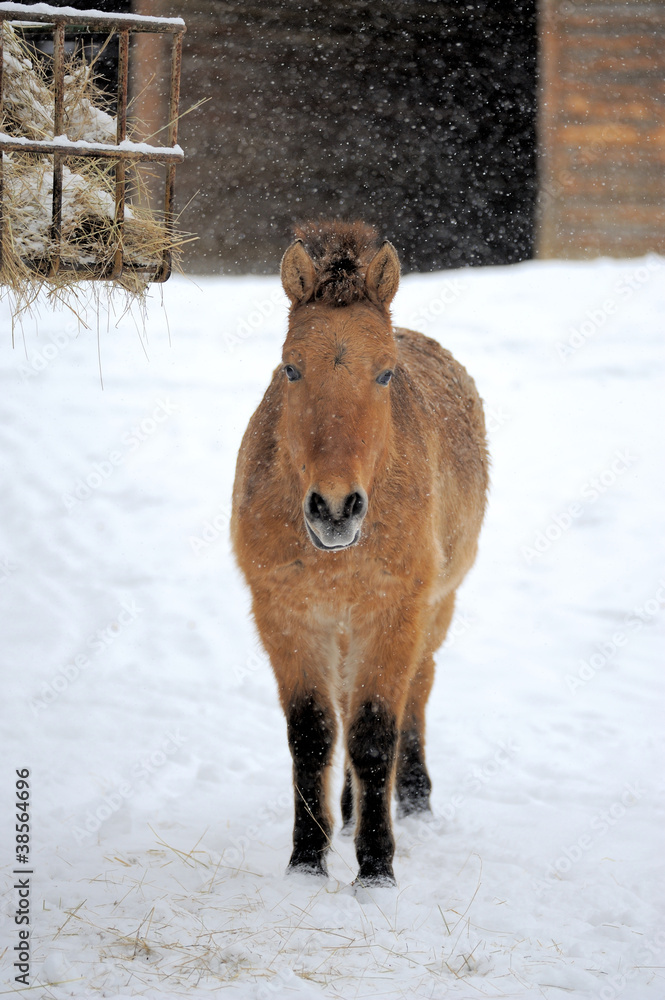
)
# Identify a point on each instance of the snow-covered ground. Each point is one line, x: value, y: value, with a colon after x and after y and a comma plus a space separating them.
x: 136, y: 694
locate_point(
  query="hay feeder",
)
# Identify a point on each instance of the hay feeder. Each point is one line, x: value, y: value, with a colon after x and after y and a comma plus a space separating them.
x: 65, y: 163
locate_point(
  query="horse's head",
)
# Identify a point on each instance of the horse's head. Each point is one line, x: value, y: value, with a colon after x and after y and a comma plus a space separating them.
x: 338, y: 361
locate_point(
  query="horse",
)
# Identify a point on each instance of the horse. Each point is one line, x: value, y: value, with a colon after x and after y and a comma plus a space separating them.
x: 358, y: 499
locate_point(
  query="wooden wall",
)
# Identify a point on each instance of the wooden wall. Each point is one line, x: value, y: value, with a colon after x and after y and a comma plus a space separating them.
x: 601, y: 128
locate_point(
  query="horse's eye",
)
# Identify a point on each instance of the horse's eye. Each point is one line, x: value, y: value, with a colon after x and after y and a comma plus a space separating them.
x: 292, y: 373
x: 385, y: 377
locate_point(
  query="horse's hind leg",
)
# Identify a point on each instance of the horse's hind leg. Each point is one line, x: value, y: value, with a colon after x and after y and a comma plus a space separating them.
x: 412, y: 782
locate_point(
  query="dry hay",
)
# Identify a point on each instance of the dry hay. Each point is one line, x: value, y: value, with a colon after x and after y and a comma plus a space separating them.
x: 89, y: 235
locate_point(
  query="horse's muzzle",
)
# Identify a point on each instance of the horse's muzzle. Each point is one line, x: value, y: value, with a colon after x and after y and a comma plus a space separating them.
x: 334, y: 524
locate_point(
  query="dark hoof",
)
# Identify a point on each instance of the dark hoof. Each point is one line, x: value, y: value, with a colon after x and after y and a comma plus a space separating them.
x: 376, y: 877
x: 307, y: 865
x: 413, y: 807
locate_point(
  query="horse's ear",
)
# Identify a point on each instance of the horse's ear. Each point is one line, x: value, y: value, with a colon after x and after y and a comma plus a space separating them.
x: 382, y: 278
x: 298, y: 273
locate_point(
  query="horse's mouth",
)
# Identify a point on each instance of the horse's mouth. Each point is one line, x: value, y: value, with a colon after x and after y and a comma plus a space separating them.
x: 314, y: 538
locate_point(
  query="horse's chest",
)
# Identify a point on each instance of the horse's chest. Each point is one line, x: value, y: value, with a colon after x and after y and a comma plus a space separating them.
x: 333, y: 598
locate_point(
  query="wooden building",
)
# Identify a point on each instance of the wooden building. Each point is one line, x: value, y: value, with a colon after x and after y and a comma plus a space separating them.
x: 601, y: 128
x: 468, y: 133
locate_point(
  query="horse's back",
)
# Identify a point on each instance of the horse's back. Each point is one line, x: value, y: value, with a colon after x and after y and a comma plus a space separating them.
x: 440, y: 413
x: 444, y: 401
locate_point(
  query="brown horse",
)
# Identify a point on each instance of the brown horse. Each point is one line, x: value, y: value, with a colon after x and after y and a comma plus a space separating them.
x: 359, y: 495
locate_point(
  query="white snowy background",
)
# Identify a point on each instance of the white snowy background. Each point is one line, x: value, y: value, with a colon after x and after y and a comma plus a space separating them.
x: 135, y: 691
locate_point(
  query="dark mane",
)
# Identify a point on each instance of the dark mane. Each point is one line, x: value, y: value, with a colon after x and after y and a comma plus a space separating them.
x: 341, y: 252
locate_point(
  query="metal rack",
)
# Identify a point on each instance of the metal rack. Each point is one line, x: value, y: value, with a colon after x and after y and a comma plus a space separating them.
x: 124, y: 151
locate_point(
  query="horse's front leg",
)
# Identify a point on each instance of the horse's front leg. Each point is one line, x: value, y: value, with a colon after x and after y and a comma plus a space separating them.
x: 311, y: 733
x: 372, y: 743
x: 296, y: 658
x: 380, y: 691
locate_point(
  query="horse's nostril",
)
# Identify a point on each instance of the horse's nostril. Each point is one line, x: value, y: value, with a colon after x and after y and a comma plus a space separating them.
x: 353, y: 505
x: 317, y: 508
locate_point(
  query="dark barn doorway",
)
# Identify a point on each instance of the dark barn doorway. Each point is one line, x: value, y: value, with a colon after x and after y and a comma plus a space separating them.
x: 96, y: 48
x: 416, y: 116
